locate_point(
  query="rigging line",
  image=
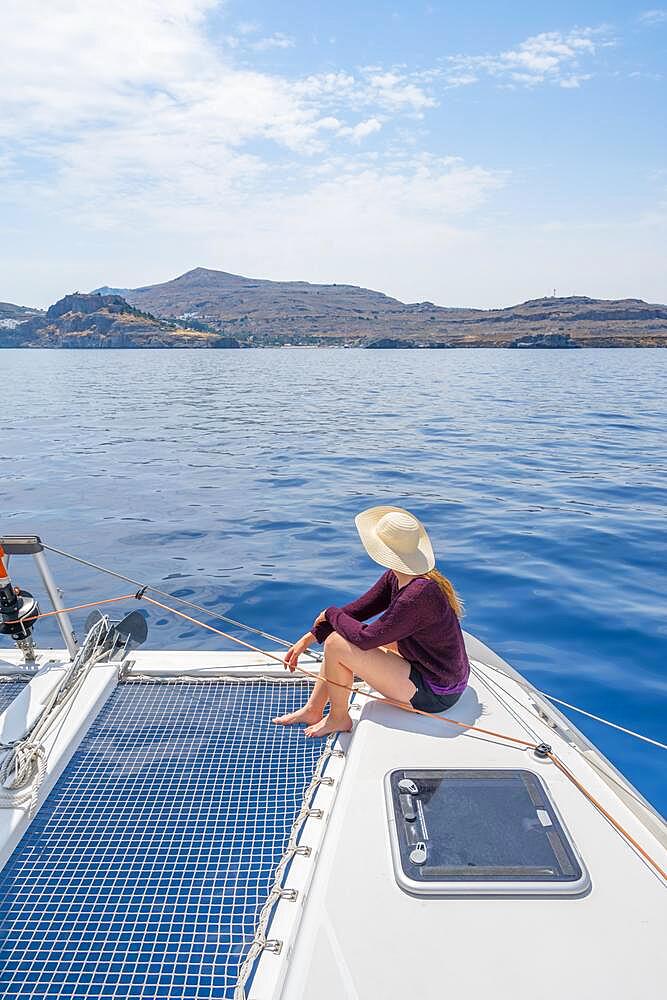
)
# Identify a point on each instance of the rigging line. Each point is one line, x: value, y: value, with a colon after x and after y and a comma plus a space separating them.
x: 494, y: 687
x: 315, y: 655
x: 607, y: 776
x: 181, y: 600
x: 601, y: 809
x: 606, y: 722
x: 308, y: 673
x: 445, y: 719
x: 76, y: 607
x: 575, y: 708
x: 529, y: 691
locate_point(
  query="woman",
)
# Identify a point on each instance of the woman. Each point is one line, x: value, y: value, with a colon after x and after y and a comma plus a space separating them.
x: 413, y: 653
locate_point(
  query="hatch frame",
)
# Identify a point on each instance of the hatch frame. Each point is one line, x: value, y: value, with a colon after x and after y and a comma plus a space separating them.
x: 576, y: 887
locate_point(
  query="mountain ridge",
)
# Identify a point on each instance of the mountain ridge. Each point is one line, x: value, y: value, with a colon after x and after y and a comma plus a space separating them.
x: 204, y: 307
x: 262, y: 311
x: 90, y: 320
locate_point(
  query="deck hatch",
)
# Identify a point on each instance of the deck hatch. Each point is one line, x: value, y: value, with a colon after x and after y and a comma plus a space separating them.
x: 143, y: 873
x: 481, y: 832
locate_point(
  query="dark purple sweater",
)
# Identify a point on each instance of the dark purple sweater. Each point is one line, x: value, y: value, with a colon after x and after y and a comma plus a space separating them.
x: 418, y: 617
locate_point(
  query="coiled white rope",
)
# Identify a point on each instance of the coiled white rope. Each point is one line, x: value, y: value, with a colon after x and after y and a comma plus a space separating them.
x: 23, y: 762
x: 22, y: 771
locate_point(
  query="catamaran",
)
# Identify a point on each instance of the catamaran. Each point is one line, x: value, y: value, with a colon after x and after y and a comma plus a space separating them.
x: 161, y: 839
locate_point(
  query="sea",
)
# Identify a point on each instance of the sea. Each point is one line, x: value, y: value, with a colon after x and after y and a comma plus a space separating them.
x: 232, y: 478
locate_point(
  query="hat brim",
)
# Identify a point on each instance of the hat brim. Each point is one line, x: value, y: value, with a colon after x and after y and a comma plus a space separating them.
x: 422, y: 560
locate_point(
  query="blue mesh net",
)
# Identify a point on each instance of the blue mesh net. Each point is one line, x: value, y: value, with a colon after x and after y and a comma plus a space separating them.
x: 143, y: 873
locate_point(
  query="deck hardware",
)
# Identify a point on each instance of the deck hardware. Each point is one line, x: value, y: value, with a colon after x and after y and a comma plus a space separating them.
x: 314, y: 813
x: 408, y: 785
x: 18, y: 612
x: 543, y: 751
x: 274, y: 945
x: 303, y: 850
x: 323, y: 780
x: 289, y: 894
x: 21, y: 545
x: 407, y: 807
x: 418, y: 853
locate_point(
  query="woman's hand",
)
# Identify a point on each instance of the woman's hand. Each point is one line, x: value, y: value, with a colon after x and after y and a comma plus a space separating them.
x: 294, y: 652
x: 320, y: 618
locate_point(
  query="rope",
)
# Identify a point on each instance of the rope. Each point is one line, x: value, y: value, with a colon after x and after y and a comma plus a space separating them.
x: 477, y: 729
x: 64, y: 611
x: 23, y: 766
x: 22, y: 771
x: 606, y: 722
x: 347, y: 687
x: 278, y: 891
x: 598, y: 805
x: 180, y: 600
x: 575, y: 708
x: 405, y: 706
x: 284, y: 642
x: 494, y: 687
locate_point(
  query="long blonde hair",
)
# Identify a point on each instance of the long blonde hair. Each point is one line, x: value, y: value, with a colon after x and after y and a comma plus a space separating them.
x: 447, y: 587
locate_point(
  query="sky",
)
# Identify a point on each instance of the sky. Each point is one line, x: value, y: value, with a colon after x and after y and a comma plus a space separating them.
x: 467, y: 154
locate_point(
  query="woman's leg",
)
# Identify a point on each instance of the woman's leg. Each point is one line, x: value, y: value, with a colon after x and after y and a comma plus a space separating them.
x: 312, y: 711
x: 387, y: 672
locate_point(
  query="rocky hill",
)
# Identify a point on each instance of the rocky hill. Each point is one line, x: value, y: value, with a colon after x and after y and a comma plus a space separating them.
x: 206, y: 308
x: 11, y: 315
x: 93, y: 320
x: 257, y: 311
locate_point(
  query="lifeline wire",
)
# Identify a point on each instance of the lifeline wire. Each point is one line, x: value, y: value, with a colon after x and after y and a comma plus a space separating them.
x: 547, y: 752
x: 606, y: 722
x: 284, y: 642
x: 180, y: 600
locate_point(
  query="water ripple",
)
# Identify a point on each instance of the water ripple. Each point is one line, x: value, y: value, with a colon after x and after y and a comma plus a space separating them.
x: 235, y: 476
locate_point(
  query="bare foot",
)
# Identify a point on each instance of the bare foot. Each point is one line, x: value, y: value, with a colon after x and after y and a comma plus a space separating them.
x: 306, y: 715
x: 330, y: 724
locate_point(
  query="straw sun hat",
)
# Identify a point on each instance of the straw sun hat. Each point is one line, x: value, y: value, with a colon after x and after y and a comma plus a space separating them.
x: 396, y: 539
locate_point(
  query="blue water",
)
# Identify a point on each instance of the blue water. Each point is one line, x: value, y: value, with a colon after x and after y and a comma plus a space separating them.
x: 233, y: 478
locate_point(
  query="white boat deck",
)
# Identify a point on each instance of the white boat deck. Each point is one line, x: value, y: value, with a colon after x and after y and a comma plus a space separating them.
x: 362, y: 936
x: 354, y: 933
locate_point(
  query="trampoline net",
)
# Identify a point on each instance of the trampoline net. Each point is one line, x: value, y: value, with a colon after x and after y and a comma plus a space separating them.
x: 8, y: 691
x: 143, y: 873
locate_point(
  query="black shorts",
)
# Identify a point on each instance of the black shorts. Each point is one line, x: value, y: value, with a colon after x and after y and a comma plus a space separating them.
x: 427, y: 700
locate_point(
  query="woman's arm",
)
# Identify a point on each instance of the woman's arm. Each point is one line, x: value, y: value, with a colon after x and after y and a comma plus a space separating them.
x: 294, y: 652
x: 412, y: 610
x: 369, y: 604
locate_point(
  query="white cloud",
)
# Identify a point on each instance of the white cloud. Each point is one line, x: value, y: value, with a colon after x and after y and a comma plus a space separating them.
x: 362, y: 129
x: 550, y: 57
x: 276, y: 41
x: 248, y: 27
x: 572, y: 82
x: 392, y: 90
x: 396, y: 91
x: 133, y: 119
x: 134, y: 145
x: 656, y: 16
x: 130, y: 111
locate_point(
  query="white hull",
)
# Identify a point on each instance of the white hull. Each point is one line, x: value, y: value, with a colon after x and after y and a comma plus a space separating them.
x: 352, y: 931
